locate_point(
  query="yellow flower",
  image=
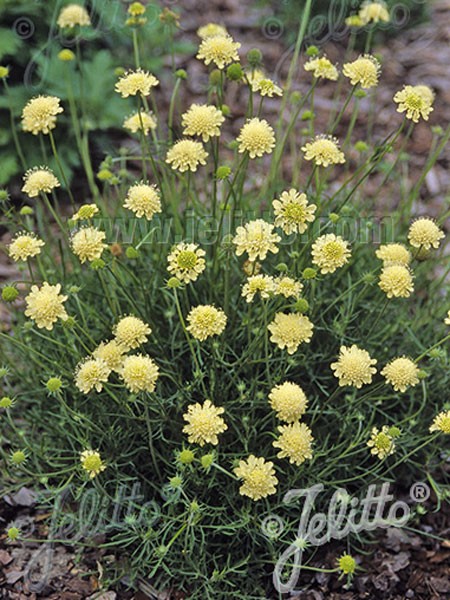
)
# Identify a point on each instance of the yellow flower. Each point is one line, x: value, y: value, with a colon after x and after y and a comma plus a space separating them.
x: 288, y: 287
x: 73, y: 15
x: 401, y: 373
x: 290, y: 330
x: 25, y: 245
x: 374, y: 12
x: 441, y: 422
x: 186, y: 262
x: 256, y: 137
x: 347, y: 564
x: 447, y: 319
x: 381, y: 442
x: 329, y: 252
x: 143, y: 200
x: 396, y: 281
x: 426, y: 92
x: 144, y: 122
x: 85, y: 212
x: 204, y: 423
x: 365, y: 71
x: 322, y: 68
x: 262, y: 284
x: 424, y: 233
x: 211, y: 30
x: 294, y: 442
x: 414, y: 102
x: 112, y: 353
x: 130, y: 332
x: 39, y: 179
x: 186, y: 155
x: 205, y: 321
x: 289, y: 401
x: 139, y: 373
x: 396, y: 253
x: 202, y: 120
x: 91, y: 373
x: 66, y: 55
x: 324, y: 150
x: 220, y: 49
x: 136, y: 82
x: 354, y: 366
x: 39, y: 114
x: 354, y: 21
x: 257, y: 239
x: 262, y: 84
x: 4, y: 72
x: 88, y: 243
x: 45, y: 305
x: 292, y: 212
x: 92, y: 463
x: 258, y: 476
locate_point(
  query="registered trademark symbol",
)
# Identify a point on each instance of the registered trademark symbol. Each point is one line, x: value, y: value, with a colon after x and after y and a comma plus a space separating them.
x: 419, y: 492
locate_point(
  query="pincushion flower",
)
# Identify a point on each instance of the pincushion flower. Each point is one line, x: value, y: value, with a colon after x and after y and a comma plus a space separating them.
x: 288, y: 287
x: 45, y: 305
x: 221, y: 50
x: 394, y: 253
x: 92, y: 463
x: 354, y: 366
x: 88, y: 243
x: 258, y: 477
x: 441, y: 422
x: 144, y: 200
x: 292, y: 212
x: 256, y: 137
x: 136, y: 82
x: 290, y: 330
x: 381, y: 442
x: 204, y: 423
x: 329, y: 252
x: 295, y: 443
x: 261, y: 84
x: 73, y: 15
x: 139, y: 373
x: 186, y: 155
x: 324, y: 151
x: 396, y: 281
x: 424, y: 233
x: 414, y: 102
x: 447, y: 319
x: 347, y: 564
x: 143, y: 122
x: 25, y: 245
x: 364, y: 71
x: 289, y: 401
x: 39, y: 179
x: 203, y: 120
x: 373, y: 12
x: 401, y: 373
x: 130, y: 332
x: 322, y: 68
x: 186, y: 262
x: 211, y: 30
x: 91, y: 374
x: 112, y: 353
x: 39, y: 114
x: 257, y: 239
x: 206, y: 321
x: 263, y: 285
x: 426, y: 92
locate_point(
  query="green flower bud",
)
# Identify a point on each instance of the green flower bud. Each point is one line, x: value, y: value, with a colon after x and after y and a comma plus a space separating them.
x: 69, y: 323
x: 334, y: 217
x: 307, y: 115
x: 97, y: 263
x: 207, y: 460
x: 235, y: 72
x: 53, y: 384
x: 4, y: 72
x: 4, y: 196
x: 301, y: 306
x: 6, y: 402
x: 296, y: 96
x: 223, y: 172
x: 361, y: 146
x: 309, y: 273
x: 18, y: 457
x: 312, y: 51
x: 394, y: 432
x: 226, y: 111
x: 181, y: 74
x: 131, y: 253
x: 9, y: 293
x: 422, y: 374
x: 282, y: 267
x: 186, y: 457
x: 104, y: 174
x: 176, y: 482
x: 119, y: 71
x: 13, y: 533
x: 66, y: 55
x: 254, y: 57
x: 26, y: 211
x: 359, y: 93
x: 173, y: 283
x: 215, y: 77
x: 194, y: 507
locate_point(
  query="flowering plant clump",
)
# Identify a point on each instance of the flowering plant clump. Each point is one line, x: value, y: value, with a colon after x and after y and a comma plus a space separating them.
x: 221, y: 313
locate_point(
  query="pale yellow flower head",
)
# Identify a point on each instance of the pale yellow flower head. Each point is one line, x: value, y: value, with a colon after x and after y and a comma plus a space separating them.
x: 447, y: 319
x: 220, y: 50
x: 37, y: 180
x: 396, y: 281
x: 288, y: 287
x: 322, y: 68
x: 143, y: 122
x: 39, y: 114
x: 257, y: 239
x: 262, y: 84
x: 203, y: 120
x: 374, y: 12
x: 381, y: 442
x: 364, y: 71
x: 186, y: 262
x: 143, y: 200
x: 25, y: 245
x: 204, y: 423
x: 292, y: 212
x: 45, y: 305
x: 396, y: 253
x: 330, y: 252
x: 139, y: 373
x: 258, y: 477
x: 290, y: 330
x: 136, y: 82
x: 424, y: 233
x: 415, y: 102
x: 354, y: 366
x: 289, y: 401
x: 206, y: 321
x: 88, y: 243
x: 211, y: 30
x: 324, y: 151
x: 441, y: 422
x: 186, y: 155
x: 91, y: 374
x: 263, y: 285
x: 295, y: 443
x: 256, y: 137
x: 92, y: 463
x: 73, y: 15
x: 112, y: 353
x: 130, y: 332
x: 401, y: 373
x: 347, y: 564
